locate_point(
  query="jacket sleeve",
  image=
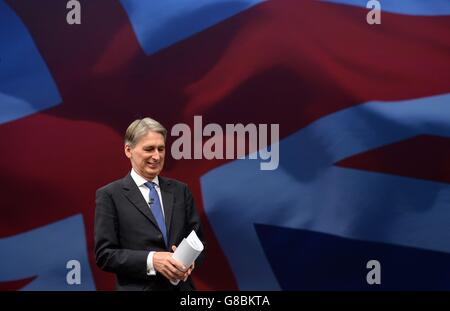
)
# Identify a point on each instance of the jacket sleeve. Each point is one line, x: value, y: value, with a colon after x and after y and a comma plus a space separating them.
x: 193, y: 223
x: 109, y: 255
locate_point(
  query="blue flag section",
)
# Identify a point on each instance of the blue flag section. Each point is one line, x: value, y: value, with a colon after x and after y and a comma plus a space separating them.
x: 43, y: 254
x: 311, y: 192
x: 359, y: 198
x: 26, y: 84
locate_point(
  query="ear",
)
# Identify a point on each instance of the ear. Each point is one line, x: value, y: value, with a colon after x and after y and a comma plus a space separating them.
x: 127, y: 150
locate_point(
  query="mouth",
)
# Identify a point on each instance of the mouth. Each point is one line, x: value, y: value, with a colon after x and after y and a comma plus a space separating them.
x: 153, y: 165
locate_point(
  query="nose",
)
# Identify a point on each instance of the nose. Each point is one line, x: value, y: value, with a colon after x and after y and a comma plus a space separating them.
x: 156, y: 156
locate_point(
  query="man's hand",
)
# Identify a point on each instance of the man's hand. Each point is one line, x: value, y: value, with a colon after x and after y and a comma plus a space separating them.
x: 171, y: 268
x: 189, y: 271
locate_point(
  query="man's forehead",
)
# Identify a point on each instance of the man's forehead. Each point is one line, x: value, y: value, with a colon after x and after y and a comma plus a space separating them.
x: 152, y: 138
x: 152, y: 141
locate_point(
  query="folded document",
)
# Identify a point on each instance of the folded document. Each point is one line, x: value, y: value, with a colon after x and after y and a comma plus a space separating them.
x: 188, y: 250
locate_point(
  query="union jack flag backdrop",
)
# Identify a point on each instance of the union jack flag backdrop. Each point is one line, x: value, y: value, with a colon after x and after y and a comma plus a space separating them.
x: 364, y: 116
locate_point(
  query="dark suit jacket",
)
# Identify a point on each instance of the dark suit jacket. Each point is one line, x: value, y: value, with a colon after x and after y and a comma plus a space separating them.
x: 126, y: 231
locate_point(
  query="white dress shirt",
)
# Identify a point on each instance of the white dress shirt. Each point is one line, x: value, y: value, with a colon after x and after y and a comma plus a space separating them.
x: 140, y: 182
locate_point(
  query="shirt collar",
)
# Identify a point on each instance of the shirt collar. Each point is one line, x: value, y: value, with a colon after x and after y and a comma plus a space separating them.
x: 140, y: 181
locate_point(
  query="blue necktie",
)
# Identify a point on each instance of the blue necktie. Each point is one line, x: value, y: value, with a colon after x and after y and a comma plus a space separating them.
x: 155, y: 207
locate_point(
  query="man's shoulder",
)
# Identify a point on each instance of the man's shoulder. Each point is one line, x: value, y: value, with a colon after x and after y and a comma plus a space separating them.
x: 172, y: 182
x: 112, y: 186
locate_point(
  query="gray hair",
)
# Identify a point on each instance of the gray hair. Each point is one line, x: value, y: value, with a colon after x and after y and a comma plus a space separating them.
x: 141, y: 127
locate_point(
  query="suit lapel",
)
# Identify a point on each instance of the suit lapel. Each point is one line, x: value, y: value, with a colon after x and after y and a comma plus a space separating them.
x: 134, y: 195
x: 168, y: 201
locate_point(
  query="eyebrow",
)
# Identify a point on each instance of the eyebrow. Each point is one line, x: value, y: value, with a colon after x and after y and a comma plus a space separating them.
x: 154, y: 146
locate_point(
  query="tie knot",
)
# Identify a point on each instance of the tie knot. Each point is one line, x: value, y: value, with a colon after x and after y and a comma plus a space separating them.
x: 150, y: 184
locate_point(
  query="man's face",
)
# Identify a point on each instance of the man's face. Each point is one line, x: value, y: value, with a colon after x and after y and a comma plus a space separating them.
x: 147, y: 156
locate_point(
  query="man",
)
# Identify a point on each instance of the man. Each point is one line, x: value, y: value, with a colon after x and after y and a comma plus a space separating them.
x: 139, y: 218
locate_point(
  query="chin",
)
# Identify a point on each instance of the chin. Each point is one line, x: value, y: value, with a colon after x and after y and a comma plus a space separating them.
x: 153, y: 172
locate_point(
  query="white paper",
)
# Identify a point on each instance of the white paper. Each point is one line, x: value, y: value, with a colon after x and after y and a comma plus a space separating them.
x: 188, y: 250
